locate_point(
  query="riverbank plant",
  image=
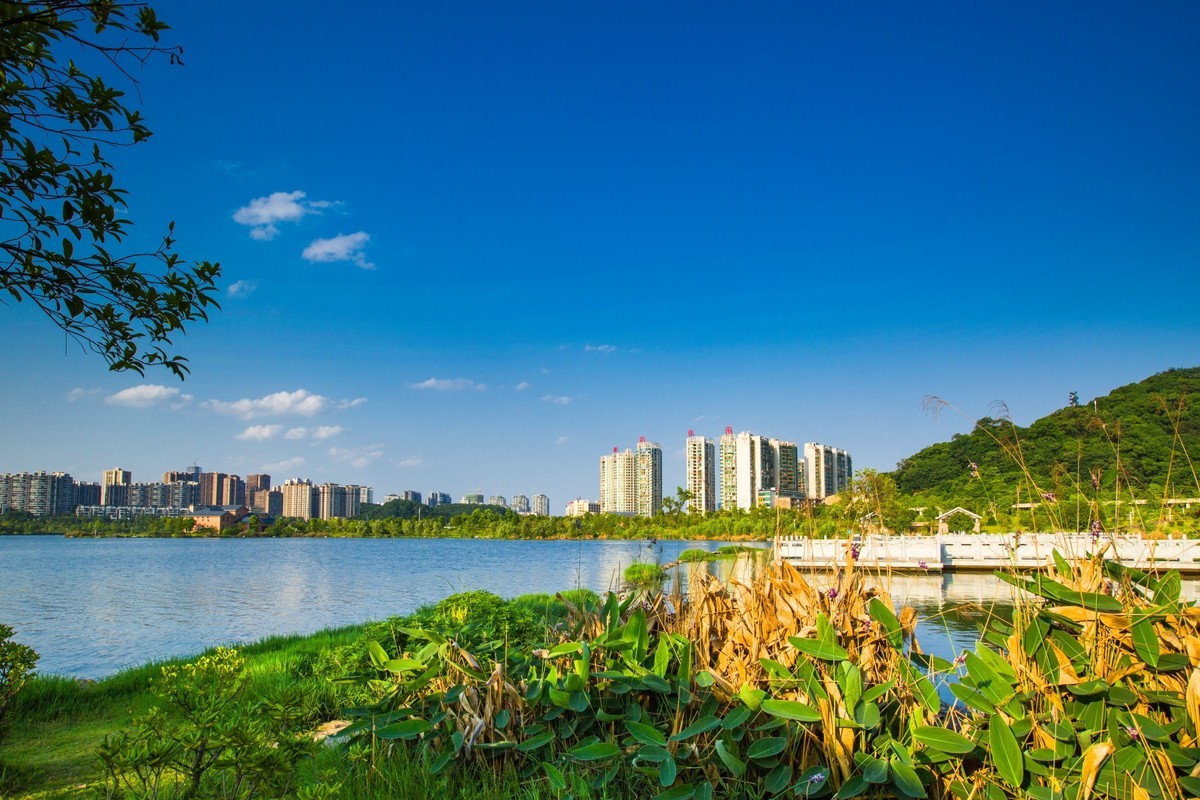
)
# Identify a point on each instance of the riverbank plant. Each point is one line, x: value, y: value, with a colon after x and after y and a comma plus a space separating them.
x: 17, y: 662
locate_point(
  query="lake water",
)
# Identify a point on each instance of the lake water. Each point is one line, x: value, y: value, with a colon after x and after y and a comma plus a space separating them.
x: 91, y: 607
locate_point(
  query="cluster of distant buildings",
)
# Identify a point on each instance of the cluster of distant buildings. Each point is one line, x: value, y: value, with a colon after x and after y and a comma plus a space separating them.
x: 743, y: 470
x: 188, y: 492
x: 521, y: 504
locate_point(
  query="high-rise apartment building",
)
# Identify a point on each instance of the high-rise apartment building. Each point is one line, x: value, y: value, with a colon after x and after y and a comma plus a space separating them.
x: 618, y: 483
x: 39, y: 494
x: 255, y: 483
x: 541, y: 505
x: 787, y: 468
x: 498, y: 500
x: 114, y: 488
x: 233, y: 491
x: 648, y: 463
x: 701, y: 473
x: 520, y: 504
x: 438, y: 499
x: 580, y: 507
x: 411, y: 496
x: 87, y: 493
x: 727, y: 469
x: 827, y: 470
x: 300, y: 499
x: 755, y: 468
x: 212, y: 488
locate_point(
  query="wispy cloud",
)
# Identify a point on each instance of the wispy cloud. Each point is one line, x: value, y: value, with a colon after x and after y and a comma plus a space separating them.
x: 241, y: 288
x: 450, y: 385
x: 320, y: 433
x: 259, y: 433
x: 262, y: 213
x: 296, y: 433
x: 599, y: 348
x: 355, y: 403
x: 357, y: 456
x: 78, y: 393
x: 522, y: 386
x: 149, y: 395
x: 562, y: 440
x: 284, y: 466
x: 343, y: 247
x: 300, y: 403
x: 556, y: 399
x: 411, y: 461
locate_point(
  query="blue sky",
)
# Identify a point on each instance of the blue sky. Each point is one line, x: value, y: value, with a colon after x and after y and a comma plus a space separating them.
x: 477, y: 245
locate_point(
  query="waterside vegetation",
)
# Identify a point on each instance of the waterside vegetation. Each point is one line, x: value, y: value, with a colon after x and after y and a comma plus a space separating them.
x: 771, y: 686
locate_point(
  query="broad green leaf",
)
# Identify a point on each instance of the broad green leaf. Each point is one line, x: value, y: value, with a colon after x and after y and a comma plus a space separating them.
x: 594, y: 752
x: 791, y: 709
x: 441, y: 761
x: 853, y: 787
x: 666, y: 772
x: 554, y: 775
x: 704, y: 791
x: 752, y: 697
x: 727, y: 755
x: 566, y: 648
x: 875, y: 770
x: 736, y: 717
x: 876, y: 692
x: 653, y: 753
x: 943, y: 740
x: 905, y: 779
x: 534, y: 742
x: 886, y: 617
x: 1145, y: 640
x: 403, y: 665
x: 378, y: 655
x: 646, y: 734
x: 972, y: 698
x: 765, y: 748
x: 676, y: 792
x: 702, y: 725
x: 812, y: 781
x: 1006, y: 752
x: 825, y: 651
x: 704, y: 679
x: 867, y: 715
x: 778, y: 779
x: 406, y: 729
x: 656, y: 684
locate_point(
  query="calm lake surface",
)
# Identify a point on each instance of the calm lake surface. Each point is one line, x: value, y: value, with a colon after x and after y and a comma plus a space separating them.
x: 92, y: 607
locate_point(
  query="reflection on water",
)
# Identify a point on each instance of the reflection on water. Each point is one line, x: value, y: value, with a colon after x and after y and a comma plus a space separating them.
x: 93, y: 606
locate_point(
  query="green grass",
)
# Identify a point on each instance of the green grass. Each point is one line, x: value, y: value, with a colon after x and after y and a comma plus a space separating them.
x: 695, y: 554
x: 645, y: 575
x: 49, y: 750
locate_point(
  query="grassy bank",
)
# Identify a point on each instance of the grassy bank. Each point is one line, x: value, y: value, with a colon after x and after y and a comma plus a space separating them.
x: 770, y: 688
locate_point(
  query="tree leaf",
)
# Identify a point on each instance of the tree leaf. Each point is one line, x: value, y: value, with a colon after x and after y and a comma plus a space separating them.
x: 791, y: 709
x: 1006, y: 752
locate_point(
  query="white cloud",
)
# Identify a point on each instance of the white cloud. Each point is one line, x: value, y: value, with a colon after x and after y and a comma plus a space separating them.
x: 522, y: 386
x: 411, y: 461
x: 259, y: 433
x: 149, y: 395
x: 261, y: 213
x: 241, y: 288
x: 78, y: 393
x: 599, y: 348
x: 357, y: 456
x: 562, y: 440
x: 300, y: 403
x: 327, y: 431
x: 450, y: 384
x: 343, y: 247
x: 319, y: 433
x: 296, y: 433
x: 556, y: 399
x: 355, y: 403
x: 284, y: 466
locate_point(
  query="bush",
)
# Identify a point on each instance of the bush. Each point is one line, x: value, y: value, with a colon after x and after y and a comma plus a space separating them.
x: 16, y: 667
x: 645, y: 576
x: 208, y: 739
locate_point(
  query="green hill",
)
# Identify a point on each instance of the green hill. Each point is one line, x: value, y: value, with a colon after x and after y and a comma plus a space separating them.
x: 1139, y: 441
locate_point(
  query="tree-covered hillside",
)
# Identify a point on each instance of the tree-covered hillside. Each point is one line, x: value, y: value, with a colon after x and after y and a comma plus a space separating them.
x: 1138, y: 442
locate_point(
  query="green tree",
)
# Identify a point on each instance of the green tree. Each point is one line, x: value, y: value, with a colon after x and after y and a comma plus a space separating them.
x: 61, y: 224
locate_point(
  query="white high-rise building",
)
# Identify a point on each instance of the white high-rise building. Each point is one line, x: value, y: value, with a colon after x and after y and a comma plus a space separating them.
x: 701, y: 473
x: 755, y: 468
x: 727, y: 477
x: 300, y: 499
x: 520, y: 504
x: 827, y: 470
x: 618, y: 487
x: 541, y: 505
x: 648, y: 463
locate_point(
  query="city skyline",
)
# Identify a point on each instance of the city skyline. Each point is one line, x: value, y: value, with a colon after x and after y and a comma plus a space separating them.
x: 535, y: 230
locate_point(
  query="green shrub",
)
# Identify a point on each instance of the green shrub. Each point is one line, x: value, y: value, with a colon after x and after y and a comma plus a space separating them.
x: 16, y: 667
x: 209, y: 739
x: 645, y: 576
x: 696, y: 554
